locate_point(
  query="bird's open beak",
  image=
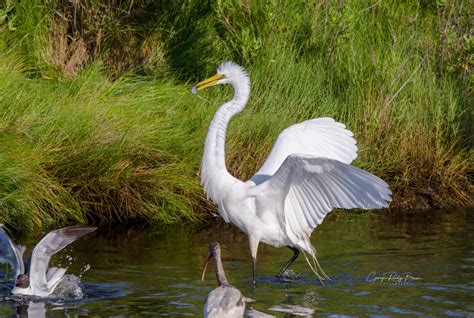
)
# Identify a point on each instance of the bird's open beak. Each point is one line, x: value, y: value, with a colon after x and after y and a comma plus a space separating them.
x: 211, y: 81
x: 205, y: 267
x: 19, y: 282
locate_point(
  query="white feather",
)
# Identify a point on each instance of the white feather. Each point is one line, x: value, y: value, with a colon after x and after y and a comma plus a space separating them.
x: 321, y: 137
x: 43, y: 281
x: 306, y: 175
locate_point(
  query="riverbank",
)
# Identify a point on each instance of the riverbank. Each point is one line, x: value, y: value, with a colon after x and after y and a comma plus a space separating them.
x: 89, y: 138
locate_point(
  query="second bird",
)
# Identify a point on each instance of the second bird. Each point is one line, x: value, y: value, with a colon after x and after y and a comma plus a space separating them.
x: 225, y: 300
x: 33, y: 277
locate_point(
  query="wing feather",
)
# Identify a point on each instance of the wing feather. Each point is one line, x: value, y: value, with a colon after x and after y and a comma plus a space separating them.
x: 321, y: 137
x: 319, y: 215
x: 311, y: 187
x: 11, y: 253
x: 52, y: 243
x: 299, y: 213
x: 311, y: 219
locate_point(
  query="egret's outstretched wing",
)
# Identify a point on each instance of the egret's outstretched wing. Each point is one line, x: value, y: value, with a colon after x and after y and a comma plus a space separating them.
x: 321, y: 137
x: 11, y: 253
x: 52, y: 243
x: 311, y: 187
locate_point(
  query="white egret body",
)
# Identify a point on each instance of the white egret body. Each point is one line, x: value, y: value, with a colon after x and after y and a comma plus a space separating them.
x: 306, y: 175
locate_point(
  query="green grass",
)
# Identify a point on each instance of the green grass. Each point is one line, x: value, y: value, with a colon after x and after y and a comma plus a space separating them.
x: 104, y: 129
x: 91, y: 149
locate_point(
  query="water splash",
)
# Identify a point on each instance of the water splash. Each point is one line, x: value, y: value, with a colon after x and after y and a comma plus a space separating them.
x: 69, y: 288
x: 84, y: 270
x: 256, y: 314
x: 290, y: 275
x: 293, y: 310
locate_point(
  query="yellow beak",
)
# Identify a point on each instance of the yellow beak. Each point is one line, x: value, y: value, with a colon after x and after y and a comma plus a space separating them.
x: 211, y: 81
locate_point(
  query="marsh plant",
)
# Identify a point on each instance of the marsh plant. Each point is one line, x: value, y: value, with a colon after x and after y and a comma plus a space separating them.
x: 97, y: 122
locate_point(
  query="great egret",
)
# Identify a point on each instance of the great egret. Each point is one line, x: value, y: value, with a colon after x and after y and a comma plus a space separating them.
x: 225, y: 300
x: 33, y: 277
x: 306, y: 175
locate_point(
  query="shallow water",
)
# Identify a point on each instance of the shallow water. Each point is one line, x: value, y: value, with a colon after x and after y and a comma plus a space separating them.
x: 390, y: 263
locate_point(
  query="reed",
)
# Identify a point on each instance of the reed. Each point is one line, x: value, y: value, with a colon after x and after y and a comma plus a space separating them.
x: 97, y: 123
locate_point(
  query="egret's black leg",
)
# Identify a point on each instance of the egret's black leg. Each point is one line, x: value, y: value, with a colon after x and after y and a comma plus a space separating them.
x: 254, y: 270
x: 296, y: 252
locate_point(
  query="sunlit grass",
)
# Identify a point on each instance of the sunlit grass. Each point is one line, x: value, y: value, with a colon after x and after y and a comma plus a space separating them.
x: 90, y: 149
x: 84, y: 142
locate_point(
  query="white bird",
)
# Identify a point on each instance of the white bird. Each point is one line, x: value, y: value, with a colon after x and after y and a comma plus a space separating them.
x: 225, y: 300
x: 33, y: 277
x: 306, y: 175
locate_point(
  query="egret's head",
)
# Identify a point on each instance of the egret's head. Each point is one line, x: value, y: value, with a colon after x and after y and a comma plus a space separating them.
x: 214, y: 251
x: 23, y: 281
x: 227, y: 73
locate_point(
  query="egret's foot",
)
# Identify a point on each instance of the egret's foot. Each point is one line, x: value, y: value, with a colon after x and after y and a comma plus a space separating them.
x: 296, y: 252
x: 288, y: 274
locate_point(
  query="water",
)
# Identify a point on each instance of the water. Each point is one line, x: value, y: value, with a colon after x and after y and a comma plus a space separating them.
x: 391, y: 263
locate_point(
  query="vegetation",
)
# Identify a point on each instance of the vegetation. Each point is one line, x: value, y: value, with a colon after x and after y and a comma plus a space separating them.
x: 97, y: 123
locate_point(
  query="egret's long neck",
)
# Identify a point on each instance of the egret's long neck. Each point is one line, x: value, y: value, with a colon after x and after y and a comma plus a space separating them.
x: 214, y: 175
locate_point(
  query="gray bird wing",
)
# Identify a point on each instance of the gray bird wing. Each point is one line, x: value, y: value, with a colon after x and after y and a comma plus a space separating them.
x: 11, y: 253
x: 52, y: 243
x: 225, y: 301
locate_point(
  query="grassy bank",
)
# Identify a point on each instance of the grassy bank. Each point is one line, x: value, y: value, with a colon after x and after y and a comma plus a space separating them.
x: 97, y: 123
x: 94, y: 149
